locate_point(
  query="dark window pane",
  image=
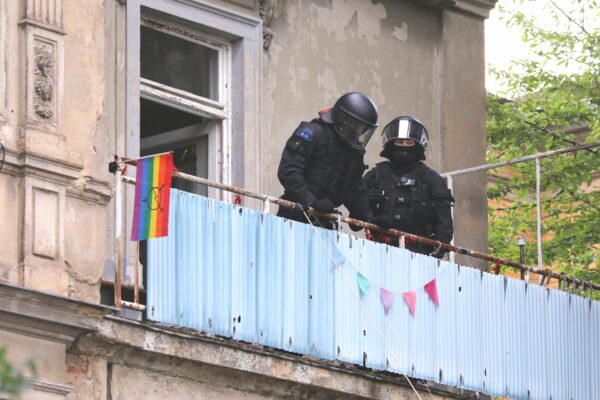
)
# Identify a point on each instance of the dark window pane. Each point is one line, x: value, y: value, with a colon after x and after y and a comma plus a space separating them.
x: 179, y: 63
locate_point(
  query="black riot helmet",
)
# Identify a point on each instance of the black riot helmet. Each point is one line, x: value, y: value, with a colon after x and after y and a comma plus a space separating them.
x: 405, y: 127
x: 354, y: 117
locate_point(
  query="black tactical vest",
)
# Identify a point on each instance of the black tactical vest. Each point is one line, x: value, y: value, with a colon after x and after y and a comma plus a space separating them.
x: 336, y: 170
x: 406, y: 198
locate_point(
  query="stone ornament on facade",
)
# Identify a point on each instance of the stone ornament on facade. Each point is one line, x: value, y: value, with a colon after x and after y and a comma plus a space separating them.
x: 44, y: 80
x: 266, y: 12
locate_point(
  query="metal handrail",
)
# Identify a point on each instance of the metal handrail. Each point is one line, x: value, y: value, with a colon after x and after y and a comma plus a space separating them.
x: 545, y: 273
x: 538, y: 177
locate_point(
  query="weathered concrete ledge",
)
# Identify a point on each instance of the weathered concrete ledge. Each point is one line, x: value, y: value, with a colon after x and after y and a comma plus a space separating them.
x: 104, y: 353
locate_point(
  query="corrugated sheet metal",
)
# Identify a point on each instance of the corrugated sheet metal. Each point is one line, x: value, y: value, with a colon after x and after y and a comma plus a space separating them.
x: 238, y: 273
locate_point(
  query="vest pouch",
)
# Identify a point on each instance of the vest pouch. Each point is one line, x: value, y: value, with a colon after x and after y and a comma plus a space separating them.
x: 422, y: 210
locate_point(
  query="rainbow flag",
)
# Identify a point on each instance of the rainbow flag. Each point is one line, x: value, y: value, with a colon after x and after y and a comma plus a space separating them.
x: 152, y: 197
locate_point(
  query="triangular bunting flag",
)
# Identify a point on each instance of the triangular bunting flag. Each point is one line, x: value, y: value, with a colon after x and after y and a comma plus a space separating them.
x: 363, y: 283
x: 431, y: 289
x: 338, y: 257
x: 411, y: 300
x: 387, y: 298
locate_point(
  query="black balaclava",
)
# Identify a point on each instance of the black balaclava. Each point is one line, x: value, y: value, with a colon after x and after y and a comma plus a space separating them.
x: 402, y: 157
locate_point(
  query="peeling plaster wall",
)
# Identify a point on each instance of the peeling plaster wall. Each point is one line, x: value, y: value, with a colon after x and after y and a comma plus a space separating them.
x: 322, y: 49
x: 54, y: 183
x: 411, y: 59
x: 9, y: 234
x: 85, y: 77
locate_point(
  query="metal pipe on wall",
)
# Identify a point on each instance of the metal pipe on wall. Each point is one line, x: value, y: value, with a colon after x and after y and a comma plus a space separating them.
x: 538, y: 200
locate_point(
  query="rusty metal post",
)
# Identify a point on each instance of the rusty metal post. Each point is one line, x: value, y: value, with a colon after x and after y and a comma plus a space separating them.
x: 118, y: 228
x: 521, y: 243
x: 450, y: 184
x: 136, y: 285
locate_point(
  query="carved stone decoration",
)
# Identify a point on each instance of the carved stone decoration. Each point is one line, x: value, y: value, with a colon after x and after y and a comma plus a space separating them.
x: 44, y: 80
x: 266, y: 12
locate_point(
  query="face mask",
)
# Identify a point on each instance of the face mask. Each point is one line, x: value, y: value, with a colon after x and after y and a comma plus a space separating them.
x: 403, y: 157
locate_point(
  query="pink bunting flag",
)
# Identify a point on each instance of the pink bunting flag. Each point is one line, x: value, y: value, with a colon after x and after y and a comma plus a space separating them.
x: 387, y: 298
x: 411, y: 299
x: 431, y: 289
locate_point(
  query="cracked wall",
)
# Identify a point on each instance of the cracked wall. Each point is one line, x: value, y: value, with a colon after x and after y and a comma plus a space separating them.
x: 322, y: 49
x: 410, y: 59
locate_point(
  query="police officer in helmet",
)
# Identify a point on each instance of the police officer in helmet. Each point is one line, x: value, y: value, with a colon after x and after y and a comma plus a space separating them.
x: 404, y: 193
x: 322, y: 162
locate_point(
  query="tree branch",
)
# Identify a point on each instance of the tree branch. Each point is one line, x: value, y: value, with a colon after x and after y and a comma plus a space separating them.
x: 569, y: 17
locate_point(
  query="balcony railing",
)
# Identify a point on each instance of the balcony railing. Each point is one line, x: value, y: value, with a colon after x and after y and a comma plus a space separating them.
x: 239, y: 273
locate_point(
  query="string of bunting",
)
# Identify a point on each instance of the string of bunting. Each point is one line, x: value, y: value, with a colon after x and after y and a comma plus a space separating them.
x: 387, y: 296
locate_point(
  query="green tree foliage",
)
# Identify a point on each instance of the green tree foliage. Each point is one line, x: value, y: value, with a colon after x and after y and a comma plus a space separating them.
x: 542, y: 109
x: 12, y: 382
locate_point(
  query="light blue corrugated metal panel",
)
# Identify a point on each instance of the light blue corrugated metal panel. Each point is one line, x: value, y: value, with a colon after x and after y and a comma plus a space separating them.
x: 246, y: 223
x: 297, y: 287
x: 423, y: 325
x: 492, y: 318
x: 348, y: 318
x: 161, y: 281
x: 401, y: 353
x: 235, y: 272
x: 594, y: 371
x: 536, y: 341
x: 468, y: 323
x: 515, y: 339
x: 447, y: 341
x: 322, y: 304
x: 558, y: 354
x: 370, y: 260
x: 189, y: 277
x: 580, y: 349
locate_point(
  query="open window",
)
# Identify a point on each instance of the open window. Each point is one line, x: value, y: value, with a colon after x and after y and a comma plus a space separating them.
x: 184, y: 75
x: 192, y: 86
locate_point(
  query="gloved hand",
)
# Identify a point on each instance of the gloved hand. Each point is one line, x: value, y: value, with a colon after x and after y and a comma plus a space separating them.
x: 301, y: 207
x: 439, y: 253
x: 382, y: 221
x: 323, y: 205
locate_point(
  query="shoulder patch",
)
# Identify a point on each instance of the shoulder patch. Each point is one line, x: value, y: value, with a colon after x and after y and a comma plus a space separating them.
x: 306, y: 133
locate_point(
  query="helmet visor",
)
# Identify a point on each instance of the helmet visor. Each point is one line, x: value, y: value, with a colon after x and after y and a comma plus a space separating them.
x: 356, y: 133
x: 405, y: 129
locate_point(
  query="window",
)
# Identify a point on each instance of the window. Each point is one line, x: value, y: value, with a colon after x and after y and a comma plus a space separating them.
x: 184, y: 75
x: 192, y: 85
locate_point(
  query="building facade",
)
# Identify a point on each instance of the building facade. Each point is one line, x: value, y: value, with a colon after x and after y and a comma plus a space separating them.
x: 222, y: 83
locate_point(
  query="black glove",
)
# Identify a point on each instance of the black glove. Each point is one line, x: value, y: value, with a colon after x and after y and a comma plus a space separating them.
x: 323, y: 206
x: 439, y: 253
x: 355, y: 228
x: 301, y: 207
x: 382, y: 221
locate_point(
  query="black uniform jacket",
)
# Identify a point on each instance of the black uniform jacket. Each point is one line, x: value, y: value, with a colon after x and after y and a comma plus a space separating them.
x: 415, y: 197
x: 317, y: 164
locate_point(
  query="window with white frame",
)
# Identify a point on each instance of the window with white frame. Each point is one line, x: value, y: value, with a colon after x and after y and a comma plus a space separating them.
x: 184, y: 97
x: 192, y: 85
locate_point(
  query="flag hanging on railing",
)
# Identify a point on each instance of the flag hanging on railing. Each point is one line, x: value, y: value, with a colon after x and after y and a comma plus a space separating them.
x: 152, y: 197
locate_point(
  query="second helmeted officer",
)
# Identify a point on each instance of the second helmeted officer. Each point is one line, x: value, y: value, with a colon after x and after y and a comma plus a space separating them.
x: 407, y: 194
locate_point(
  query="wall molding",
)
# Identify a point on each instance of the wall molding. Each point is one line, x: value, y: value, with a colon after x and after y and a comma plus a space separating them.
x: 47, y: 13
x: 50, y: 387
x: 480, y: 8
